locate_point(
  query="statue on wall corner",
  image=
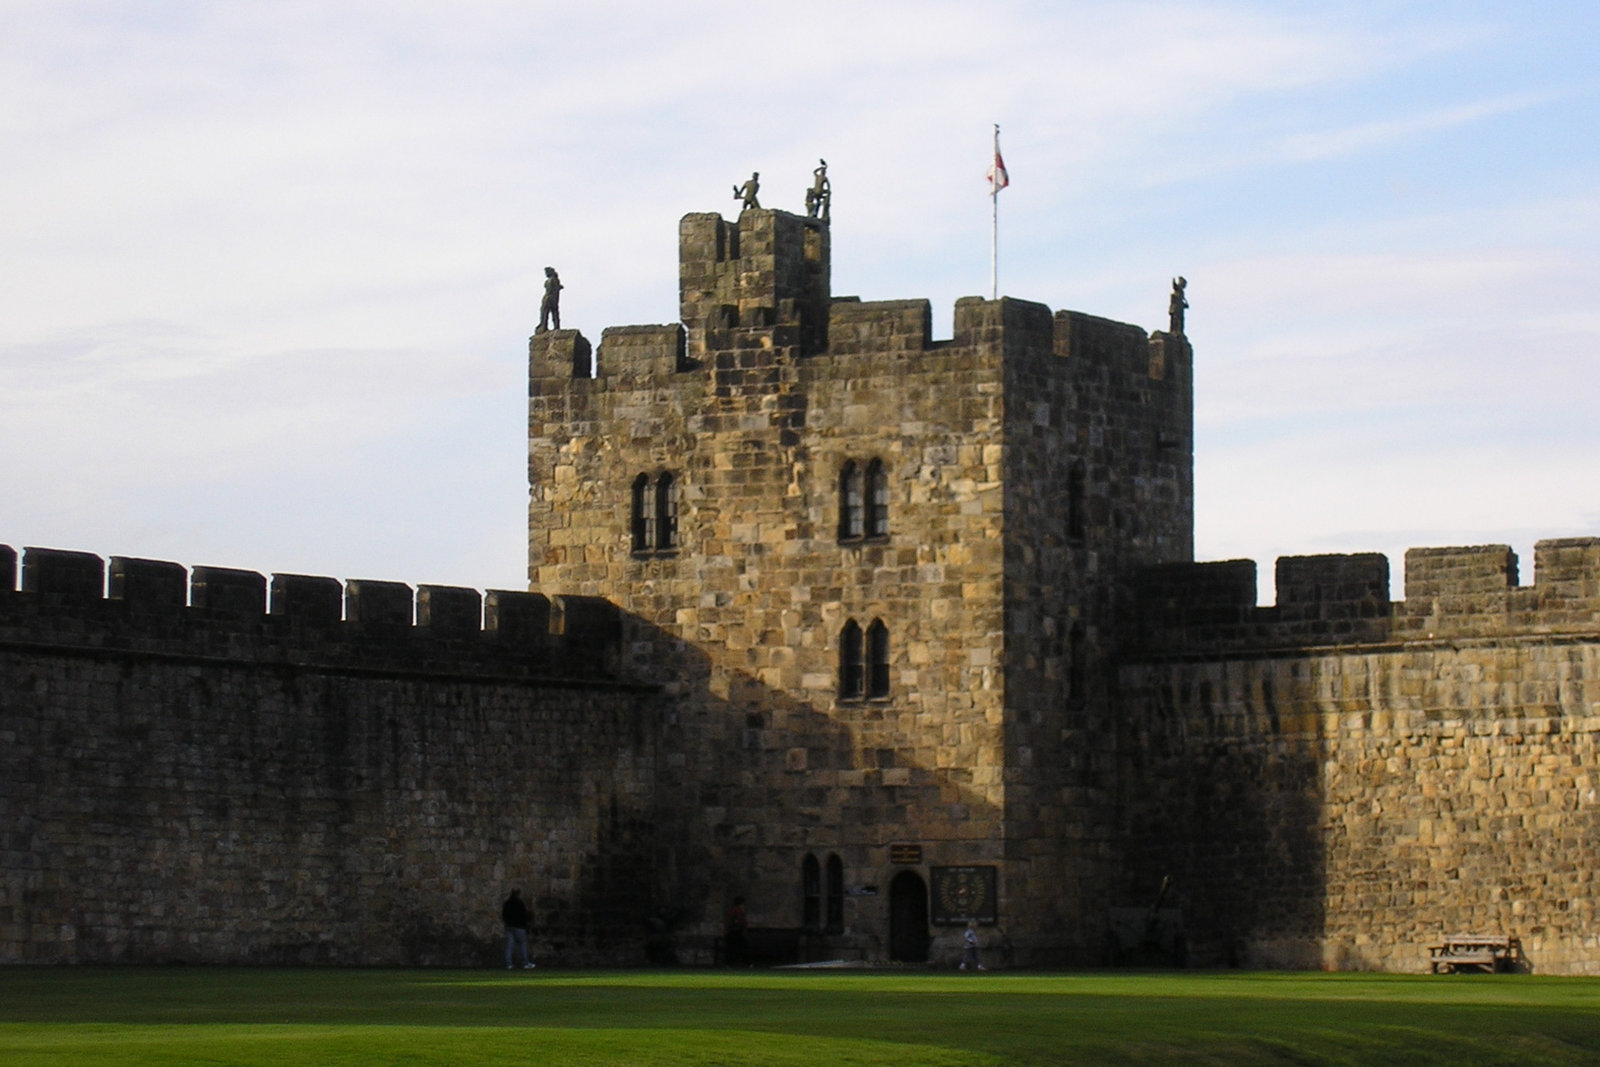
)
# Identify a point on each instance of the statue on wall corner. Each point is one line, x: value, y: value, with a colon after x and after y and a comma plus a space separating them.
x: 747, y: 192
x: 550, y: 306
x: 820, y: 195
x: 1176, y: 305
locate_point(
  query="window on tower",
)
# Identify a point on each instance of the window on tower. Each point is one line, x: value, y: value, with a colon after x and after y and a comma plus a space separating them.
x: 850, y: 502
x: 877, y: 660
x: 877, y: 499
x: 666, y: 512
x: 654, y: 521
x: 852, y: 677
x: 863, y: 500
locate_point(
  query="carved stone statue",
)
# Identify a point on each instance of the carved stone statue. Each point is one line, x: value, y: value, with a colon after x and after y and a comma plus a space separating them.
x: 1176, y: 305
x: 550, y: 306
x: 820, y: 195
x: 747, y: 192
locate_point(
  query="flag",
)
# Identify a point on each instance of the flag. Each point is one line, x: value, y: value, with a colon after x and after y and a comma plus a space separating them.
x: 998, y: 178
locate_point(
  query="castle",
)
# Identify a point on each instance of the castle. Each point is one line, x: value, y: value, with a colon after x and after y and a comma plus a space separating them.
x: 880, y: 632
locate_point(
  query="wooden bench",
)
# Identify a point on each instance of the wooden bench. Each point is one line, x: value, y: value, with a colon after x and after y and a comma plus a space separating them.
x: 1487, y: 953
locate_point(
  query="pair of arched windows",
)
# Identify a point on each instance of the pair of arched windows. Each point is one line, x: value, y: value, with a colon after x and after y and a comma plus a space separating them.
x: 818, y: 897
x: 655, y: 513
x: 863, y: 661
x: 863, y: 501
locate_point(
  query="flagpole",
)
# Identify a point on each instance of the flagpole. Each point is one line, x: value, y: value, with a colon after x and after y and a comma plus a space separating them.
x: 994, y: 220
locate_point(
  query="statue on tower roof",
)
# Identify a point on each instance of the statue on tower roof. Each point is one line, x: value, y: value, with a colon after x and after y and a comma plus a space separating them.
x: 820, y: 195
x: 550, y: 306
x: 747, y: 192
x: 1176, y: 305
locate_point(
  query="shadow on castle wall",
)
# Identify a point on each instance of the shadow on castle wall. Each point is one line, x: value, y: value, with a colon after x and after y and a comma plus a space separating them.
x: 1343, y: 781
x: 752, y: 781
x: 190, y: 778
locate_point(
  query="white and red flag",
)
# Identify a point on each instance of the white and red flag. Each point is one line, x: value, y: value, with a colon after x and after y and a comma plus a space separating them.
x: 998, y: 178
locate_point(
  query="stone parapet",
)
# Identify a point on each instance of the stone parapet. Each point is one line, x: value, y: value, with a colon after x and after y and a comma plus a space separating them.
x: 1451, y: 594
x: 137, y: 607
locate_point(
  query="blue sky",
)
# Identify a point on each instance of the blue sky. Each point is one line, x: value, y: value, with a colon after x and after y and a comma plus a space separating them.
x: 267, y: 271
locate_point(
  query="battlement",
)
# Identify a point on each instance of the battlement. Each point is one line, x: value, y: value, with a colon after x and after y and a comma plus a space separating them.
x: 879, y: 326
x: 72, y: 600
x: 632, y: 356
x: 1450, y: 593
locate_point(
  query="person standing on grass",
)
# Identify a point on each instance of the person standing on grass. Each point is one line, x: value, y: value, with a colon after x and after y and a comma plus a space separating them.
x: 516, y: 917
x: 970, y: 939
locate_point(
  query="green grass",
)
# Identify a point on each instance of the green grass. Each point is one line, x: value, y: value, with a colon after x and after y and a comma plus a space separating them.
x: 116, y: 1016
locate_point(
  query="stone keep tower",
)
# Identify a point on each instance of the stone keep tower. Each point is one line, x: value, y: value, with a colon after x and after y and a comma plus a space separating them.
x: 879, y: 576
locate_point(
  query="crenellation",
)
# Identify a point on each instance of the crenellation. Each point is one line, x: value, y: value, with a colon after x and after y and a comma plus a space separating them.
x: 1092, y: 338
x: 148, y: 585
x: 60, y: 576
x: 1333, y: 586
x: 879, y: 326
x: 307, y: 600
x: 643, y: 353
x: 1567, y: 569
x: 516, y: 618
x: 450, y: 611
x: 312, y: 619
x: 1452, y: 593
x: 369, y: 603
x: 226, y: 592
x: 1459, y: 572
x: 558, y: 356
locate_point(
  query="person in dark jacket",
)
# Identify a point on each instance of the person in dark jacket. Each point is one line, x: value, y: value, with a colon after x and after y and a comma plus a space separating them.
x: 516, y: 917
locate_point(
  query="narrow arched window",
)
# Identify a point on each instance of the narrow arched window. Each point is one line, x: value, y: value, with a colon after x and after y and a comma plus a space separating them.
x: 850, y: 502
x: 1075, y: 502
x: 643, y: 515
x: 1076, y: 695
x: 666, y: 511
x: 877, y: 499
x: 835, y: 894
x: 877, y: 659
x: 810, y: 893
x: 851, y: 675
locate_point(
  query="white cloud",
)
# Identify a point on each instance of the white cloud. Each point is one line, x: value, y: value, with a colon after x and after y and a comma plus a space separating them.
x: 291, y: 252
x: 1331, y: 144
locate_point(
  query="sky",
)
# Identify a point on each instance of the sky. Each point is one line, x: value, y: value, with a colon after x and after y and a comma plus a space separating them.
x: 268, y: 270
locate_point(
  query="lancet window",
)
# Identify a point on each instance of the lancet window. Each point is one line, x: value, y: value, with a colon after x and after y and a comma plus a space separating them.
x: 863, y: 500
x: 655, y: 514
x: 863, y: 661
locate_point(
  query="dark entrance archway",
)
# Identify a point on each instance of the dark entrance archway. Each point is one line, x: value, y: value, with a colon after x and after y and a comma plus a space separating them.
x: 908, y: 918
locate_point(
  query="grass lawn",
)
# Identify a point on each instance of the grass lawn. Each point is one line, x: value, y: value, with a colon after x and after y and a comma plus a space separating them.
x: 115, y: 1016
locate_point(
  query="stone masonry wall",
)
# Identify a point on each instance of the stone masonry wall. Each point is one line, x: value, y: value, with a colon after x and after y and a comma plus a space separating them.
x: 209, y: 783
x: 1098, y: 482
x: 1345, y: 805
x: 741, y: 618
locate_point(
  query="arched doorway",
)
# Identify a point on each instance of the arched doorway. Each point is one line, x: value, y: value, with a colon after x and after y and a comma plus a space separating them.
x: 908, y: 918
